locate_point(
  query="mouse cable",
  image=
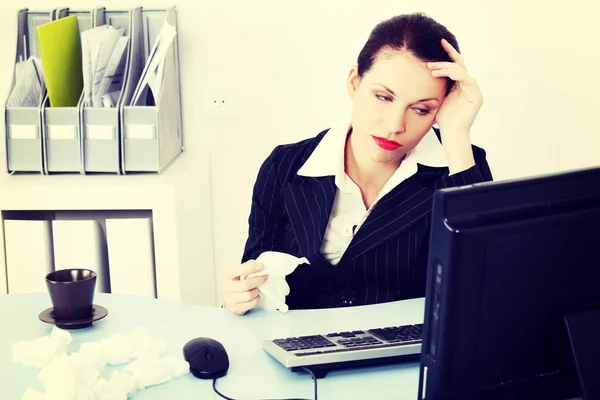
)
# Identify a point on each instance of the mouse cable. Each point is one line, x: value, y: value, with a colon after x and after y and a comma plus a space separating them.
x: 229, y: 398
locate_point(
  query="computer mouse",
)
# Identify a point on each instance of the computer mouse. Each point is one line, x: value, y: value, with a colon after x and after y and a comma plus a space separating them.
x: 207, y: 358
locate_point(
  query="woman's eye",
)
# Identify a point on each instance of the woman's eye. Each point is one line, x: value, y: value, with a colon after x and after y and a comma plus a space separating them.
x: 383, y: 98
x: 421, y: 111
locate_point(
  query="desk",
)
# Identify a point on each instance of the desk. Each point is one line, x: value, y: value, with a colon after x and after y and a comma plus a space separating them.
x: 252, y: 373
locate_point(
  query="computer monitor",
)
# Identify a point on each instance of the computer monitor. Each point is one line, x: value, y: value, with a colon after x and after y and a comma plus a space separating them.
x: 508, y: 261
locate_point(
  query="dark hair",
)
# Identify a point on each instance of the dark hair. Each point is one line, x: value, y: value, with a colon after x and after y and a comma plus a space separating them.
x: 416, y: 33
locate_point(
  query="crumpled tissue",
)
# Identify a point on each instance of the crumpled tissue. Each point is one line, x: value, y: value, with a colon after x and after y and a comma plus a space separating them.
x: 37, y: 353
x: 152, y: 370
x: 77, y: 376
x: 277, y: 265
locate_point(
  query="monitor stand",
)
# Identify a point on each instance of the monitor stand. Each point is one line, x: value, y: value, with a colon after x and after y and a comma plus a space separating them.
x: 584, y: 336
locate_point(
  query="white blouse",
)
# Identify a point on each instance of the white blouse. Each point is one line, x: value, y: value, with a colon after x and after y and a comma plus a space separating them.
x: 349, y: 212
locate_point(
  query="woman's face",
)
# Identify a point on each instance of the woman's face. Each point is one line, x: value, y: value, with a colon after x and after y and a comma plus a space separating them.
x: 396, y: 100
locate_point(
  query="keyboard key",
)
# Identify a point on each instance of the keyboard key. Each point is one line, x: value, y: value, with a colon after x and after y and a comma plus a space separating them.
x: 402, y: 333
x: 356, y: 348
x: 309, y: 337
x: 303, y: 342
x: 349, y: 341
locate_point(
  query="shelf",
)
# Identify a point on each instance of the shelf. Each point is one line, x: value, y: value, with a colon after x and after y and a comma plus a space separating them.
x: 180, y: 201
x: 101, y: 191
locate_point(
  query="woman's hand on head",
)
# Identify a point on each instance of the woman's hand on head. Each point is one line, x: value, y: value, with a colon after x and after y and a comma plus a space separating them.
x: 241, y: 295
x: 460, y: 107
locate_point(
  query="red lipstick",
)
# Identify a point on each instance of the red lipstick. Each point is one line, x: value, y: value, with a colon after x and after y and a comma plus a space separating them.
x: 386, y: 144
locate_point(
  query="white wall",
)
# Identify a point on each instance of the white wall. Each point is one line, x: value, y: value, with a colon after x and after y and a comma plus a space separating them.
x: 283, y: 66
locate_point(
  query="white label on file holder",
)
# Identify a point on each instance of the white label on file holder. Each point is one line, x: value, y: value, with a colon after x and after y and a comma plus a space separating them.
x: 140, y: 131
x: 23, y: 131
x: 62, y: 132
x: 100, y: 132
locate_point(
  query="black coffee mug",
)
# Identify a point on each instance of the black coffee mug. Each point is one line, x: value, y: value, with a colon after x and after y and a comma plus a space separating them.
x: 72, y: 293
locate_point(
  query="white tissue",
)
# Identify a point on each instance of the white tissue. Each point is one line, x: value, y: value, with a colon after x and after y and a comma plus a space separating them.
x: 76, y: 376
x: 87, y: 377
x: 124, y: 382
x: 177, y: 366
x: 85, y: 393
x: 277, y: 265
x: 101, y: 388
x: 146, y: 345
x: 37, y: 353
x: 149, y: 371
x: 118, y: 349
x: 63, y: 336
x: 120, y: 387
x: 31, y: 394
x: 59, y: 378
x: 91, y: 355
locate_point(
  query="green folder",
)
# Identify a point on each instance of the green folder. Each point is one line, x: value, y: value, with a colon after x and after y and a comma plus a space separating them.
x: 60, y: 48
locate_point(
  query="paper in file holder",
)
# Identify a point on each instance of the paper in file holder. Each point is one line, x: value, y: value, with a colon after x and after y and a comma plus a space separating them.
x: 152, y: 134
x: 100, y: 126
x: 120, y: 139
x: 23, y: 124
x: 61, y: 133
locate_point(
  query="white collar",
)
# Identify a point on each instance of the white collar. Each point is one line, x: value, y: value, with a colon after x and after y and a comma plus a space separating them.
x: 328, y: 157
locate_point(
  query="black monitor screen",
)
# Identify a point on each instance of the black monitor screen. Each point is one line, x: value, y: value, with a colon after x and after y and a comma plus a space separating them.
x: 507, y: 262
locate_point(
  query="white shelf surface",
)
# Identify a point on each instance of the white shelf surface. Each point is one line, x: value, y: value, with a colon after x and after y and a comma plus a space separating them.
x: 179, y: 199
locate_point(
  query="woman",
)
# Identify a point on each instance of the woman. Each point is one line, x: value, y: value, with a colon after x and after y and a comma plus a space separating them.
x: 356, y: 199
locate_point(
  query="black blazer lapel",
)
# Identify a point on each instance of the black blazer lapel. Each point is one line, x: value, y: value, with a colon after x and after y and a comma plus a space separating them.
x: 308, y: 205
x: 395, y: 213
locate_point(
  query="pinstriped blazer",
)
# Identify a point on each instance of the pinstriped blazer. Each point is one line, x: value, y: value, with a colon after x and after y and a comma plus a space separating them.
x: 386, y: 259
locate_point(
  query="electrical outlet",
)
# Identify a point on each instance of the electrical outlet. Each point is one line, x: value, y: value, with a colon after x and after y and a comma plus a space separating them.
x: 220, y: 107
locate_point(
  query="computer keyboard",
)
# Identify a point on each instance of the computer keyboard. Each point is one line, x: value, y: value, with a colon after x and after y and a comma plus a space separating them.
x: 373, y: 346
